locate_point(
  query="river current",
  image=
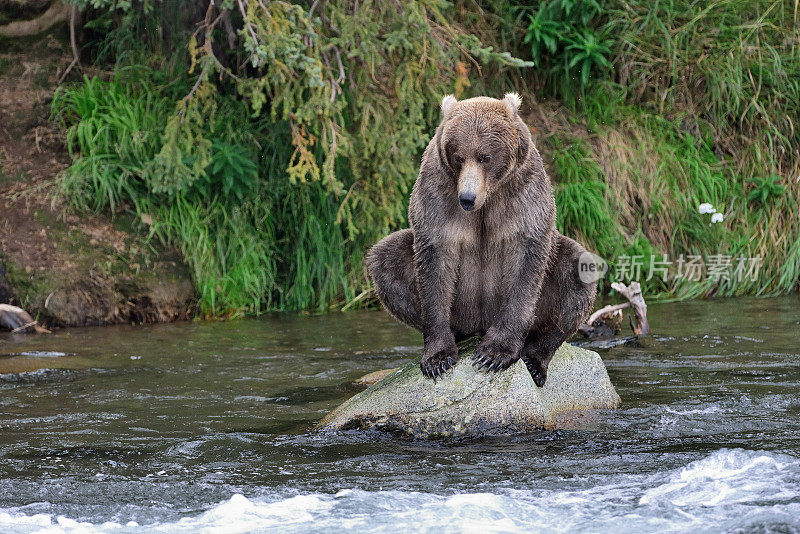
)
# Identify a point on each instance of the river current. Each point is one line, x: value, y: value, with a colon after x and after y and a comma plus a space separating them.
x: 207, y: 426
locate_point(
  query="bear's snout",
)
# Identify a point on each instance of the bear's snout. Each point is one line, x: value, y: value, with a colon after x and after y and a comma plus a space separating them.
x: 471, y: 186
x: 467, y: 201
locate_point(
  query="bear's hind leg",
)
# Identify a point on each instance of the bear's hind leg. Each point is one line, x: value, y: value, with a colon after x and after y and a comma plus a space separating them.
x: 563, y: 304
x: 390, y: 266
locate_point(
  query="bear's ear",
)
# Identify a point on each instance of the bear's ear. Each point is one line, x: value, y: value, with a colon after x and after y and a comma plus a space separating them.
x: 512, y: 102
x: 448, y: 105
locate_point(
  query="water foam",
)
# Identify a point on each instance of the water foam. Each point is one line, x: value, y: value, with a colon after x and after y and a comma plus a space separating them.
x: 731, y: 476
x: 724, y: 491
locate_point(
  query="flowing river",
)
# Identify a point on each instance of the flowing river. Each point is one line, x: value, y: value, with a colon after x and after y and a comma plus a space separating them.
x: 207, y: 426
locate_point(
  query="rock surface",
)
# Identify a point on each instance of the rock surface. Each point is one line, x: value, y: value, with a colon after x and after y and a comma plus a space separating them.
x: 374, y: 377
x: 470, y: 402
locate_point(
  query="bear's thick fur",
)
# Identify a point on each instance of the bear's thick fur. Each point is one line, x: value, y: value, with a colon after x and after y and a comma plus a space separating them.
x: 483, y: 255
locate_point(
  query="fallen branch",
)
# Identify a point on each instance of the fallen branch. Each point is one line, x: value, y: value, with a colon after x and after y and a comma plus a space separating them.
x: 18, y: 320
x: 607, y: 320
x: 56, y: 13
x: 633, y: 293
x: 605, y: 324
x: 607, y: 310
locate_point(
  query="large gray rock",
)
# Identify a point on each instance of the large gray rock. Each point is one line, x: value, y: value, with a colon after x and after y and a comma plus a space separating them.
x: 468, y: 401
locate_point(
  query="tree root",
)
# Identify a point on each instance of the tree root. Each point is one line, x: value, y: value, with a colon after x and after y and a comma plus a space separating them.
x: 76, y: 55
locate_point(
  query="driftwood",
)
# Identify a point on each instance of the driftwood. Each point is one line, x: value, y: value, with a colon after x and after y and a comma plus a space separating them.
x: 18, y: 320
x: 611, y: 310
x: 633, y: 293
x: 607, y: 321
x: 56, y: 13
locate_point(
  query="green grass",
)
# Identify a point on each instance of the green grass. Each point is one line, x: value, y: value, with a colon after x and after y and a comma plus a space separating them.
x: 702, y: 105
x: 581, y: 194
x: 273, y: 184
x: 253, y: 241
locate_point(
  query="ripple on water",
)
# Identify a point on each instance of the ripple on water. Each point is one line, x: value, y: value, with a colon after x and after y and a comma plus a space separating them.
x: 180, y: 429
x: 31, y: 377
x: 728, y: 490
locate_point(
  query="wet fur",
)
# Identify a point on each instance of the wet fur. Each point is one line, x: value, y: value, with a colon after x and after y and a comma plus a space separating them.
x: 501, y: 271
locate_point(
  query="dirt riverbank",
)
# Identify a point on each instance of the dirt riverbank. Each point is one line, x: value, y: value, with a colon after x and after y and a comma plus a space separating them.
x: 68, y: 269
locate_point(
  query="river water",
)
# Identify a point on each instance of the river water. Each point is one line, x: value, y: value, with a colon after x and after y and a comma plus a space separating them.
x: 207, y: 427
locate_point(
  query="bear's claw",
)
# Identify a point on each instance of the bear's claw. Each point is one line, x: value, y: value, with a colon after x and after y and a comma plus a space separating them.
x: 537, y: 371
x: 438, y: 363
x: 495, y: 356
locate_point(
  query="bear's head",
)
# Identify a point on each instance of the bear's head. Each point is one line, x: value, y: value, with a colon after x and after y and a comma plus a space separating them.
x: 481, y: 142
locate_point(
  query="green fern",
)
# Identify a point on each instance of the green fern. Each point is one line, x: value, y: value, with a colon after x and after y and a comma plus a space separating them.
x: 765, y: 189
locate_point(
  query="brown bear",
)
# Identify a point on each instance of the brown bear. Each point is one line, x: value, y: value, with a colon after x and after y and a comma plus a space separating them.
x: 483, y: 256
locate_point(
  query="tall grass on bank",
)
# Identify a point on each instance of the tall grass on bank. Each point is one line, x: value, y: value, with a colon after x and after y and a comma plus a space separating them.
x: 251, y: 244
x: 701, y: 103
x: 275, y: 162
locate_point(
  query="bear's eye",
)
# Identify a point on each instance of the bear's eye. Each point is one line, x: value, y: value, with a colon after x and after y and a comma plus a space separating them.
x: 483, y: 158
x: 458, y: 159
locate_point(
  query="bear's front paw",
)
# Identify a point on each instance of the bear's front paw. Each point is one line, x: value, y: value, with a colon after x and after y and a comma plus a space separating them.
x: 537, y: 370
x: 438, y: 358
x: 497, y: 354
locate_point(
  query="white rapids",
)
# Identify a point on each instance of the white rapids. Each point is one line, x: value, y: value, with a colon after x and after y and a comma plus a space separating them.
x: 728, y: 490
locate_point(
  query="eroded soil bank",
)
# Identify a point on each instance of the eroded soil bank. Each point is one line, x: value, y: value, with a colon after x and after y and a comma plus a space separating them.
x: 68, y: 269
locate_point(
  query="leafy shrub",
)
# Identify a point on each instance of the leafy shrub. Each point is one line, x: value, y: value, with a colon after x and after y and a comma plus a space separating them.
x: 765, y: 189
x: 564, y: 41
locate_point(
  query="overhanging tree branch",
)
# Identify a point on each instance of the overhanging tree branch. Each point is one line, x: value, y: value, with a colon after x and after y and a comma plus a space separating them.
x: 55, y: 14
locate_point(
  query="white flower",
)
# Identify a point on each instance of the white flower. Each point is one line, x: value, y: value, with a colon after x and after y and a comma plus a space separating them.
x: 717, y: 217
x: 705, y: 207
